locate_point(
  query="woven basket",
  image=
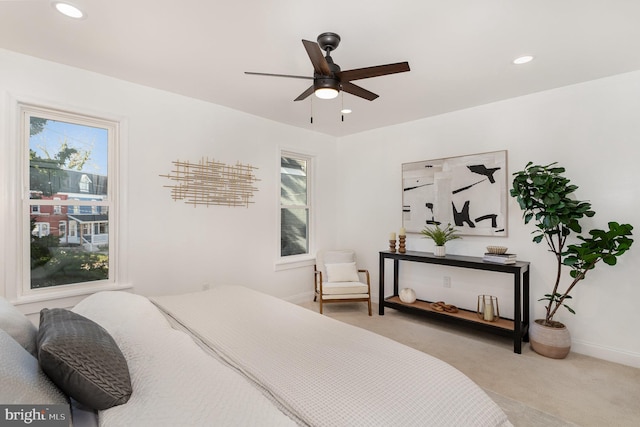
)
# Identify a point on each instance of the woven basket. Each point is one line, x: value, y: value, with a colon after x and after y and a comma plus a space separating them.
x: 499, y: 250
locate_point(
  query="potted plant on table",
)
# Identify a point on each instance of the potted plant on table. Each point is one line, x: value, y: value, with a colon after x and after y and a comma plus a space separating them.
x: 544, y: 195
x: 440, y: 236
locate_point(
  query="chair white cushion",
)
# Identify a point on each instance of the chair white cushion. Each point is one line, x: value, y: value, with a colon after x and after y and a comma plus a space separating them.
x: 345, y: 288
x: 342, y: 272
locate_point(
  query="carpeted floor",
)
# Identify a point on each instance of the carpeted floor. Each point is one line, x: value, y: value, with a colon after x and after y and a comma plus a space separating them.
x: 531, y: 389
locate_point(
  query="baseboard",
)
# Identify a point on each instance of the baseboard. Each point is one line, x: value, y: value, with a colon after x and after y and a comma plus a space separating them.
x: 606, y: 353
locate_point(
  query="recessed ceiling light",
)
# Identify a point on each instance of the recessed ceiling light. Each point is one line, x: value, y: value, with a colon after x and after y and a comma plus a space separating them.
x: 523, y: 60
x: 69, y: 10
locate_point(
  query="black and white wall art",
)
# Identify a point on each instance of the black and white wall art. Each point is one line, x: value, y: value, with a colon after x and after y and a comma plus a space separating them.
x: 469, y: 192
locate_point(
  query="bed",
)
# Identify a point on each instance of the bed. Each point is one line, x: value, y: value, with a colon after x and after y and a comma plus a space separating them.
x: 232, y: 356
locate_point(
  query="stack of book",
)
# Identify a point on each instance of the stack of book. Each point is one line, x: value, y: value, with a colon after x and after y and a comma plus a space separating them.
x: 500, y: 258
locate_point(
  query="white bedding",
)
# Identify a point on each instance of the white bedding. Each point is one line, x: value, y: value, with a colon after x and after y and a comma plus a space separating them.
x: 174, y: 382
x: 326, y: 372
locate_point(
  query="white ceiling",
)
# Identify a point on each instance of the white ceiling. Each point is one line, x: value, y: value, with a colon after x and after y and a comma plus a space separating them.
x: 459, y: 51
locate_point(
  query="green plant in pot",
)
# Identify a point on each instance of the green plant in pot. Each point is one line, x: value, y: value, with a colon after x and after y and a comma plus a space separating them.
x: 440, y: 236
x: 546, y: 198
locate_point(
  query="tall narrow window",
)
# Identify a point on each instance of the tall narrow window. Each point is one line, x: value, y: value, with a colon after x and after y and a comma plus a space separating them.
x: 66, y: 158
x: 294, y: 204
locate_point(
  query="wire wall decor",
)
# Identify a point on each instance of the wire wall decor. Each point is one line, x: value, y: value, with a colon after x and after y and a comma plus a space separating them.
x: 209, y: 182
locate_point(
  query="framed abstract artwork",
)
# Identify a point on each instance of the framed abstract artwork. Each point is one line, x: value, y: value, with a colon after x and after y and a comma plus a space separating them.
x: 469, y: 192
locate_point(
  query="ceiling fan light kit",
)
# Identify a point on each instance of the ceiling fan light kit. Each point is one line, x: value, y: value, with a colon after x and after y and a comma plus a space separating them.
x: 329, y: 79
x: 326, y: 88
x: 326, y: 93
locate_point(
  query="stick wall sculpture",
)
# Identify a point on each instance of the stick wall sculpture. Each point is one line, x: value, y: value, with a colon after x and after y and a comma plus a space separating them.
x: 212, y: 183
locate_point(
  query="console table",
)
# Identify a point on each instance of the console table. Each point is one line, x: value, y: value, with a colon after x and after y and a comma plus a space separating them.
x: 517, y: 328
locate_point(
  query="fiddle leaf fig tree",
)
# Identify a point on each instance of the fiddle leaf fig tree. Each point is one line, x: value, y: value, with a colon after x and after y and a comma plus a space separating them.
x: 545, y: 197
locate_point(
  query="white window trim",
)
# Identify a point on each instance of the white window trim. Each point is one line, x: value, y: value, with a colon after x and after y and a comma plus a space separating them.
x: 302, y: 260
x: 11, y: 215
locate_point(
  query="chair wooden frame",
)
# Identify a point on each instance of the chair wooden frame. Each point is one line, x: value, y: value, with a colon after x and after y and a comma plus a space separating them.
x: 317, y: 278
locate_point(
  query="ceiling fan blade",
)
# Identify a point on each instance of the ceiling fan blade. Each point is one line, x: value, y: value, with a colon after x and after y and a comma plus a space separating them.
x: 278, y: 75
x: 365, y: 73
x: 305, y: 94
x: 358, y: 91
x: 320, y: 65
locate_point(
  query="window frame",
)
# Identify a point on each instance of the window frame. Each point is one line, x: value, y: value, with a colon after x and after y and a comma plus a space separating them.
x: 15, y: 219
x: 298, y: 260
x: 26, y: 112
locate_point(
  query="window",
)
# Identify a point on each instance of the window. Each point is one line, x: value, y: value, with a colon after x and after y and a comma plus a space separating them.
x: 40, y: 229
x: 57, y: 209
x: 66, y: 165
x: 294, y: 204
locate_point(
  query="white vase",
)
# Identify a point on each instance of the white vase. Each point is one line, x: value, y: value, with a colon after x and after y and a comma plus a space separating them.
x: 440, y: 251
x: 407, y: 295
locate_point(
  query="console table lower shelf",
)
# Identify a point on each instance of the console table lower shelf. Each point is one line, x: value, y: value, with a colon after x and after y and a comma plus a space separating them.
x: 468, y: 318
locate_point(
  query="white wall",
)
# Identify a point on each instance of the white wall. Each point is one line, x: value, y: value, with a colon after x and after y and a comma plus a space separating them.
x: 592, y: 129
x: 174, y: 247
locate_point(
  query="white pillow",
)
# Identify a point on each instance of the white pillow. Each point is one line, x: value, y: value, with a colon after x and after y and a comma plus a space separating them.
x: 16, y: 324
x: 343, y: 272
x: 23, y: 382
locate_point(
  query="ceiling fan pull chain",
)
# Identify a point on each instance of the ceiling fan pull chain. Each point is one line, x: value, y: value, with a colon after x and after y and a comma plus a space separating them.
x: 311, y: 110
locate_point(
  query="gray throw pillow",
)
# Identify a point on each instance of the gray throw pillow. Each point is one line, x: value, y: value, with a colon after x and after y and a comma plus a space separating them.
x: 16, y: 324
x: 23, y: 382
x: 82, y: 359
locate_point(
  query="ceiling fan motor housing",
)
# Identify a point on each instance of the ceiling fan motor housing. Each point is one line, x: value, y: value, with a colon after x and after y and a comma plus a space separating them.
x: 332, y: 65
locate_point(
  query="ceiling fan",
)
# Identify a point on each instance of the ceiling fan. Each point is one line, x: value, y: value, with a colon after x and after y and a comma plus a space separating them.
x: 328, y: 79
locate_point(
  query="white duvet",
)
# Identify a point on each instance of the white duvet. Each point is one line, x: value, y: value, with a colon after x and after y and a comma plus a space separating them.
x: 328, y: 373
x: 175, y: 383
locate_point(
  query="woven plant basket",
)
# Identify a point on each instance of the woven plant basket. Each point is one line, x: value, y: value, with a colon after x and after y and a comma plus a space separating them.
x: 553, y: 342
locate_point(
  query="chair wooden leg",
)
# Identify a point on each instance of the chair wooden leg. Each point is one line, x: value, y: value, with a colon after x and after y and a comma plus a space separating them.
x: 320, y: 305
x: 369, y: 306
